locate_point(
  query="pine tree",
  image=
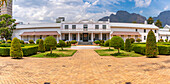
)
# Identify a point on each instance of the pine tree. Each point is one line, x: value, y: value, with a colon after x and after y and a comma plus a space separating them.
x: 150, y: 20
x: 128, y: 45
x: 41, y: 47
x: 158, y: 23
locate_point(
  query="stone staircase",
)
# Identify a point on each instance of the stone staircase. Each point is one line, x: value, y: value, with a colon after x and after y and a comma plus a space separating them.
x: 85, y: 43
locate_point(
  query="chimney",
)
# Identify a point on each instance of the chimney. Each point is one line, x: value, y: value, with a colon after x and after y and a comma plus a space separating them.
x: 145, y: 22
x: 108, y: 20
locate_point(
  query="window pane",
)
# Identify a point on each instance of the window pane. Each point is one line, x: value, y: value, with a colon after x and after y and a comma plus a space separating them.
x: 96, y: 26
x: 73, y: 26
x: 104, y: 26
x: 66, y: 26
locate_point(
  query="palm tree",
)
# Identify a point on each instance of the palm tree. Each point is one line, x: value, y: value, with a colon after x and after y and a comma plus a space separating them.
x: 2, y: 2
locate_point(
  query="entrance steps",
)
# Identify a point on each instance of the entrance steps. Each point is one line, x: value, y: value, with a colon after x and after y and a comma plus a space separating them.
x: 85, y: 43
x: 85, y: 47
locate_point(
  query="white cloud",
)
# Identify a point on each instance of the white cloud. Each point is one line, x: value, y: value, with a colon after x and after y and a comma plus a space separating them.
x: 166, y: 7
x: 141, y: 11
x: 142, y: 3
x: 72, y: 10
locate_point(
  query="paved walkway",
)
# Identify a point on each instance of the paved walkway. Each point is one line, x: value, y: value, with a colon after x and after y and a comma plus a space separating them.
x: 85, y: 67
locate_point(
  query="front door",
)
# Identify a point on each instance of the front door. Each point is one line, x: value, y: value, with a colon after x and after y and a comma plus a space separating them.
x: 85, y: 37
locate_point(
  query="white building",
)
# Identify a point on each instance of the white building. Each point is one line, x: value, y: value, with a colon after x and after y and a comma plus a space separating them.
x: 84, y: 31
x: 165, y: 33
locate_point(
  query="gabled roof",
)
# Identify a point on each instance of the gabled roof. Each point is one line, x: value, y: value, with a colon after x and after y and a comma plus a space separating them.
x: 125, y: 33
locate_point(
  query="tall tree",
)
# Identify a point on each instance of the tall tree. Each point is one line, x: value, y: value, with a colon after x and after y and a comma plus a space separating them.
x: 158, y: 23
x: 150, y: 20
x: 4, y: 2
x: 7, y: 25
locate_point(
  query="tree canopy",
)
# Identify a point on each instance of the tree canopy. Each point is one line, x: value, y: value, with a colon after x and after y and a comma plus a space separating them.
x: 158, y: 23
x: 117, y: 42
x: 150, y: 20
x: 7, y: 25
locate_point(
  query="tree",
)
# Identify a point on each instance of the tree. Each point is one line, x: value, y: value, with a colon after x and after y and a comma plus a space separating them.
x: 117, y: 42
x: 158, y: 23
x: 37, y: 42
x: 132, y: 40
x: 51, y: 42
x: 150, y: 20
x: 128, y: 45
x: 62, y: 44
x: 2, y: 2
x: 151, y: 45
x: 16, y: 50
x: 6, y: 26
x: 31, y: 41
x: 41, y: 47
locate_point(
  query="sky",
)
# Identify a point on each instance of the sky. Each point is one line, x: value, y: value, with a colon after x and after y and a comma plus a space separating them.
x: 46, y: 11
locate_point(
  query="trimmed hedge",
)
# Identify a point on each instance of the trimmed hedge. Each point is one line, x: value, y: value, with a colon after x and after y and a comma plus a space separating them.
x: 141, y: 49
x: 7, y: 45
x: 27, y: 51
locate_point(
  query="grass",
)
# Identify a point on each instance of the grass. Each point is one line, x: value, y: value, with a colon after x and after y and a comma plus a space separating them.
x: 113, y: 52
x: 64, y: 53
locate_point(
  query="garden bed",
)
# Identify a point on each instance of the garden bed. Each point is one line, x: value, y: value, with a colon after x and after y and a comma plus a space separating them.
x: 113, y: 52
x: 60, y: 53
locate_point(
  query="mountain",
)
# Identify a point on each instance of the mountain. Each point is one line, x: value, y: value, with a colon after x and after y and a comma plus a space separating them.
x: 125, y: 17
x: 164, y: 17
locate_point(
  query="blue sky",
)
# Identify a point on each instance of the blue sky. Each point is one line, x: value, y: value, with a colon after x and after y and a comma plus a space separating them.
x: 40, y: 11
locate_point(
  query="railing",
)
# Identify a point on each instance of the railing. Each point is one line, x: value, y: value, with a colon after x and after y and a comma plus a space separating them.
x: 85, y: 29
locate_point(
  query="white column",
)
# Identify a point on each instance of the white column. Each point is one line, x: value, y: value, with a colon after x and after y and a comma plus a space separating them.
x: 101, y: 36
x: 69, y: 37
x: 92, y: 36
x: 57, y: 38
x: 78, y: 37
x: 61, y: 37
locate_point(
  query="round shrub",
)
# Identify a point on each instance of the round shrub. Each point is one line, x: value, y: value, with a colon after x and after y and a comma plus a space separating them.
x: 8, y: 41
x: 166, y: 40
x: 68, y: 43
x: 117, y: 42
x: 73, y: 42
x: 132, y: 40
x: 151, y: 45
x: 128, y: 45
x: 97, y: 42
x: 138, y: 40
x: 62, y: 44
x: 21, y: 41
x: 16, y: 50
x: 161, y: 40
x: 37, y: 41
x: 51, y: 42
x: 41, y: 47
x: 31, y: 41
x: 107, y: 43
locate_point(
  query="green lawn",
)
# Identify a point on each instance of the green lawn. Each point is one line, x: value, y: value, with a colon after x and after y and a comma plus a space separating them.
x: 64, y: 53
x: 107, y: 52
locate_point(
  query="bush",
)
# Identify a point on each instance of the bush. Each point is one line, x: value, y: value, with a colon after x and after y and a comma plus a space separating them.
x: 161, y: 40
x: 164, y: 49
x: 52, y: 55
x: 97, y: 42
x: 30, y: 50
x: 16, y: 50
x: 138, y: 40
x: 117, y: 42
x: 21, y: 41
x: 73, y: 42
x: 128, y: 45
x: 0, y: 42
x: 50, y: 42
x: 68, y: 43
x: 132, y: 40
x: 31, y: 42
x: 166, y: 40
x: 139, y: 48
x: 8, y: 41
x: 151, y: 45
x: 4, y: 51
x: 41, y: 47
x: 37, y: 41
x: 62, y: 44
x: 3, y: 41
x: 106, y: 44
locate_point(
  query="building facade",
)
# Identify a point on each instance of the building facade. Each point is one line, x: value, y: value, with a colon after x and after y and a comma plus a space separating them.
x: 6, y: 9
x: 84, y: 31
